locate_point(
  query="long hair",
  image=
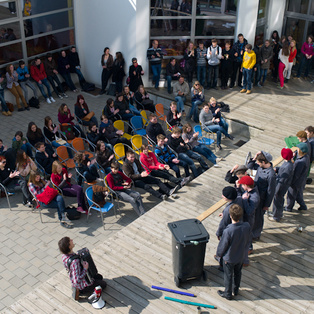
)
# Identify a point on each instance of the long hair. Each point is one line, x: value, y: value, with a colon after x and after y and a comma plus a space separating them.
x: 285, y: 49
x: 8, y: 69
x: 119, y: 56
x: 47, y: 119
x: 277, y: 36
x: 199, y: 88
x: 32, y: 135
x: 55, y: 165
x: 78, y: 158
x: 185, y: 128
x: 20, y: 157
x: 98, y: 144
x: 33, y: 175
x: 61, y: 108
x: 78, y: 104
x: 294, y: 47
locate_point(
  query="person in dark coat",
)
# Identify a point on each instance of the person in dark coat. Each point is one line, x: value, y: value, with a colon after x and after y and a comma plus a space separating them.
x: 110, y: 111
x: 235, y: 174
x: 45, y: 157
x: 64, y: 70
x: 75, y: 65
x: 190, y: 63
x: 300, y: 170
x: 118, y: 71
x: 231, y: 249
x: 123, y: 106
x: 283, y: 181
x: 135, y: 75
x: 172, y: 72
x: 276, y: 48
x: 154, y: 128
x: 226, y: 65
x: 265, y: 180
x: 106, y: 63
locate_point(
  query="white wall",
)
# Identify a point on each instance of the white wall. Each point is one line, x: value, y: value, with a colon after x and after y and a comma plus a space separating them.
x: 276, y: 12
x: 121, y: 25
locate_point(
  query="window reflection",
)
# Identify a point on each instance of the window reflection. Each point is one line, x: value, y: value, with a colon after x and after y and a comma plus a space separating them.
x: 171, y: 8
x: 168, y: 27
x: 261, y: 9
x: 11, y: 53
x: 7, y: 10
x: 50, y: 42
x: 9, y: 32
x: 295, y: 28
x: 298, y: 6
x: 214, y: 27
x: 48, y: 23
x: 41, y: 6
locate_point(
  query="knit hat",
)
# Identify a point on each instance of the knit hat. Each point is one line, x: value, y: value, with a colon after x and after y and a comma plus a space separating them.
x: 230, y: 193
x: 246, y: 180
x: 240, y: 168
x: 303, y: 147
x: 286, y: 153
x: 268, y: 156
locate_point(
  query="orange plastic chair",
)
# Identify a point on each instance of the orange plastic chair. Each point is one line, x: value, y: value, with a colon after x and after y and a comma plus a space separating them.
x: 63, y: 156
x: 160, y: 112
x: 78, y: 144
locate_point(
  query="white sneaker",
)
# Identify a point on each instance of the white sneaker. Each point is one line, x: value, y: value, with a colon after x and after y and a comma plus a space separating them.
x: 48, y: 100
x: 175, y: 189
x: 174, y: 196
x: 217, y: 166
x: 65, y: 95
x: 219, y: 159
x: 60, y: 96
x: 51, y: 99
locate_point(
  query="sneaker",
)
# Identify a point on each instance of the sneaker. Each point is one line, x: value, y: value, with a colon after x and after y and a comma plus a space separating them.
x: 217, y: 166
x: 278, y: 86
x: 9, y: 113
x: 65, y: 225
x: 4, y: 113
x: 174, y: 196
x: 75, y: 293
x: 10, y: 193
x: 164, y: 197
x: 175, y: 189
x: 259, y: 84
x: 219, y: 147
x: 65, y: 95
x: 243, y: 90
x: 248, y: 91
x: 185, y: 181
x: 231, y: 137
x: 60, y: 96
x: 219, y: 159
x: 52, y: 100
x: 28, y: 204
x: 80, y: 210
x: 65, y: 219
x: 48, y: 100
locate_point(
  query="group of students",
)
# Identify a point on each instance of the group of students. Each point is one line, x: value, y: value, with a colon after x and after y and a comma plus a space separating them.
x: 248, y: 201
x: 44, y: 74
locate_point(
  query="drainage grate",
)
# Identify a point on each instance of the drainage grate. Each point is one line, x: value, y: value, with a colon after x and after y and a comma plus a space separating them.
x: 240, y: 143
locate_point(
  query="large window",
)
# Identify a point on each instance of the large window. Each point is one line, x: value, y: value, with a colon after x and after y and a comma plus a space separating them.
x: 33, y: 27
x: 174, y: 23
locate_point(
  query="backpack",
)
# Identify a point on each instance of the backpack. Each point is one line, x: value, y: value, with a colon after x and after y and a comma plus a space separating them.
x: 88, y: 87
x: 72, y: 213
x: 34, y: 102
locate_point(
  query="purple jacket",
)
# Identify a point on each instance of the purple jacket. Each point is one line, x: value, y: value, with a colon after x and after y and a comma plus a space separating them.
x: 307, y: 49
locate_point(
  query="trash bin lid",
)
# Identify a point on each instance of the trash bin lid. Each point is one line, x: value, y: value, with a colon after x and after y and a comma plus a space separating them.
x: 188, y: 230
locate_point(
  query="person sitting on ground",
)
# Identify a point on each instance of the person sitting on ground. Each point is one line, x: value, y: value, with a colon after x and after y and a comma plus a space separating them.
x: 184, y: 151
x: 104, y: 156
x: 197, y: 98
x: 210, y: 124
x: 134, y: 170
x: 180, y: 91
x: 190, y: 137
x: 50, y: 66
x: 300, y: 170
x: 163, y: 152
x: 77, y: 271
x: 39, y: 75
x: 20, y: 142
x: 217, y: 113
x: 121, y: 184
x: 24, y: 165
x: 24, y: 81
x: 86, y: 168
x: 110, y: 111
x: 231, y: 248
x: 64, y: 70
x: 14, y: 87
x: 129, y: 98
x: 82, y: 112
x: 112, y: 134
x: 37, y: 186
x: 8, y: 177
x: 283, y: 181
x: 75, y: 66
x: 173, y: 116
x: 45, y: 156
x: 62, y: 179
x: 172, y: 72
x: 154, y: 128
x: 123, y: 107
x: 142, y: 100
x: 155, y: 168
x: 135, y: 75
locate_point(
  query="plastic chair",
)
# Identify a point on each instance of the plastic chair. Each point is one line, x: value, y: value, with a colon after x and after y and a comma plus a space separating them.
x: 203, y: 140
x: 144, y: 117
x: 138, y: 126
x: 119, y: 151
x: 137, y: 142
x: 84, y: 181
x: 113, y: 194
x: 119, y: 124
x: 95, y: 206
x: 78, y: 145
x: 63, y: 156
x: 160, y: 112
x: 3, y: 188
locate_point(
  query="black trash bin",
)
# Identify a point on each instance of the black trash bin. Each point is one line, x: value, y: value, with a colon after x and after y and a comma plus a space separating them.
x: 189, y: 238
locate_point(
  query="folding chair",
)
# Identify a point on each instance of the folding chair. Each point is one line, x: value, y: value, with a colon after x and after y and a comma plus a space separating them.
x: 63, y: 156
x: 119, y: 124
x: 203, y: 140
x: 144, y: 118
x: 95, y: 206
x: 137, y: 141
x: 119, y: 151
x: 79, y: 145
x: 3, y: 188
x: 80, y: 121
x: 113, y: 194
x: 160, y: 112
x: 138, y: 126
x: 84, y: 181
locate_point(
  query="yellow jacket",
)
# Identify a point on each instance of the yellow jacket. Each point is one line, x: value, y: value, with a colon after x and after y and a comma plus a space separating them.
x: 249, y: 60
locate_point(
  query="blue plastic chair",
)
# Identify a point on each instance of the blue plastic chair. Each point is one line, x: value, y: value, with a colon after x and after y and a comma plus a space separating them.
x: 93, y: 205
x: 137, y: 125
x: 203, y: 140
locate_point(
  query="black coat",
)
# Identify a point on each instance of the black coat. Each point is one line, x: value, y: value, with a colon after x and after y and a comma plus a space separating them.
x: 135, y: 79
x: 118, y: 71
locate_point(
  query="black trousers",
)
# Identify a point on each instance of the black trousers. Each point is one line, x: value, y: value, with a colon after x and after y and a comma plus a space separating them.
x: 226, y: 72
x: 165, y: 175
x: 232, y: 270
x: 236, y: 68
x: 90, y: 289
x: 105, y: 76
x: 145, y: 182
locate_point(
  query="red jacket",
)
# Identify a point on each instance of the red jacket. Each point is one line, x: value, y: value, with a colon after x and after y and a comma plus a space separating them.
x: 57, y: 178
x: 292, y: 55
x: 150, y: 162
x: 111, y: 182
x: 38, y: 74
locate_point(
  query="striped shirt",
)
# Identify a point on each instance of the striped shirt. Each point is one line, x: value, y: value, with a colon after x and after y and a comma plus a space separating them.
x: 153, y: 52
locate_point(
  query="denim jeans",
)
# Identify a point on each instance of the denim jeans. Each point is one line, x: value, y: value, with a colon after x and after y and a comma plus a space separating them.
x: 3, y: 103
x: 134, y: 110
x: 58, y: 203
x: 307, y: 63
x: 27, y: 149
x: 201, y: 74
x: 67, y: 77
x: 247, y: 78
x: 263, y: 75
x: 156, y: 69
x: 25, y: 90
x: 52, y: 79
x: 224, y: 124
x: 180, y: 103
x: 206, y: 152
x: 194, y: 110
x: 41, y: 88
x: 176, y: 169
x: 213, y: 70
x: 126, y: 116
x: 185, y: 158
x: 169, y: 79
x: 197, y: 157
x: 215, y: 128
x: 80, y: 76
x: 165, y: 175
